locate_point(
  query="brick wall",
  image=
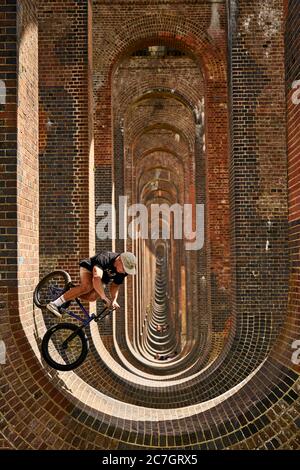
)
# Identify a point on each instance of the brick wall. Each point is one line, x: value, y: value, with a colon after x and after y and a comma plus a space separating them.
x: 258, y: 173
x: 293, y: 140
x: 28, y: 165
x: 19, y: 209
x: 66, y: 177
x: 8, y: 173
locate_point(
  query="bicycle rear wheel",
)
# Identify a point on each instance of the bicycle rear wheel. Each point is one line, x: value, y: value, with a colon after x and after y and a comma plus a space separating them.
x: 51, y: 287
x: 62, y: 356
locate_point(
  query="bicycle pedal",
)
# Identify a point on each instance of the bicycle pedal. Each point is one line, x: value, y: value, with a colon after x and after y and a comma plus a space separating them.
x: 62, y: 310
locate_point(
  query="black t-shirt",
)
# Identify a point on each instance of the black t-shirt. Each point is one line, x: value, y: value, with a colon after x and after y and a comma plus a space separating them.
x: 105, y: 260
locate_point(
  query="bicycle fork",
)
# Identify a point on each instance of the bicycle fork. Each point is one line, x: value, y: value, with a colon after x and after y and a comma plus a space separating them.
x: 72, y: 336
x: 92, y: 317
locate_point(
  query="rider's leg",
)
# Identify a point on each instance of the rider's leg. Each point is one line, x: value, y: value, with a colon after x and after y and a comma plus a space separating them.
x: 85, y: 286
x: 90, y: 296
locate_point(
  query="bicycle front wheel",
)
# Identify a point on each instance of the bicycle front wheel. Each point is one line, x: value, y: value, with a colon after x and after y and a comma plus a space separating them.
x: 61, y: 354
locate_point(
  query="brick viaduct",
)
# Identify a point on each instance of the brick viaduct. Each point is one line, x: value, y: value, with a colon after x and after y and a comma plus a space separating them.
x: 161, y: 101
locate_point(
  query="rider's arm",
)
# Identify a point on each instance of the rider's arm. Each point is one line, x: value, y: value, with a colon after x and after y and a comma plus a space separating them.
x: 114, y: 290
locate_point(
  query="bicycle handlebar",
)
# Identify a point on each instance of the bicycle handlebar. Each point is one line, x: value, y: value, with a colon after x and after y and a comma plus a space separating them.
x: 100, y: 316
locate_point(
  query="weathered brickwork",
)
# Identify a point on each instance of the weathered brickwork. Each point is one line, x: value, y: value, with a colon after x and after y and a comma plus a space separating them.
x: 8, y: 174
x: 19, y: 219
x: 258, y: 150
x: 293, y: 141
x: 64, y: 134
x: 161, y: 101
x: 133, y: 79
x: 8, y: 196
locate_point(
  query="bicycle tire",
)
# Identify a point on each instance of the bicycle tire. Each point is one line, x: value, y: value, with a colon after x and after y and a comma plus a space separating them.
x: 69, y: 328
x: 37, y: 291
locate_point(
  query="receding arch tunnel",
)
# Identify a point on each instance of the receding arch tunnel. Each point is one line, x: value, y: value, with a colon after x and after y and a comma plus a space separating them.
x: 169, y: 105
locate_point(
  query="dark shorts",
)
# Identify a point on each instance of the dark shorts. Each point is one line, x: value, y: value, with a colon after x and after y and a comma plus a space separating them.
x: 86, y: 263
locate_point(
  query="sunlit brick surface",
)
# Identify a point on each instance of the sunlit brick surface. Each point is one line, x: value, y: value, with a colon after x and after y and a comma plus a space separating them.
x: 161, y: 102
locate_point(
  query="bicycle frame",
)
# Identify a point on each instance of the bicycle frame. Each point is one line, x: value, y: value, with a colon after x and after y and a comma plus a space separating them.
x: 88, y: 318
x: 56, y: 292
x: 84, y: 321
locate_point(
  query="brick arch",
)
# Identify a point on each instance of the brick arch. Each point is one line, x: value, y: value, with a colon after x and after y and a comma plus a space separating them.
x: 203, y: 50
x: 142, y: 131
x: 145, y: 144
x: 154, y: 165
x: 140, y: 121
x: 261, y: 413
x: 157, y: 28
x: 171, y: 155
x: 163, y: 29
x: 185, y: 96
x: 185, y: 126
x: 113, y: 54
x: 189, y: 89
x: 163, y: 93
x: 166, y: 39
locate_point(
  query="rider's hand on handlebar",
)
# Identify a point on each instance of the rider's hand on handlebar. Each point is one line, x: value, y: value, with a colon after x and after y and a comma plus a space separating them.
x: 115, y: 305
x: 106, y: 301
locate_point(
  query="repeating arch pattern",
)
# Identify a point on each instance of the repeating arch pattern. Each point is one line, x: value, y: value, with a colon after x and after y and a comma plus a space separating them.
x: 224, y: 318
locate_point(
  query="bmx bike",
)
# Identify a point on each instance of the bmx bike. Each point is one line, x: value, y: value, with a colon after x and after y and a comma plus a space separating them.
x: 65, y: 345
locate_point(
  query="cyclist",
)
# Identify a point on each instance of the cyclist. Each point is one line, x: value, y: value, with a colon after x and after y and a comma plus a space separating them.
x: 96, y: 272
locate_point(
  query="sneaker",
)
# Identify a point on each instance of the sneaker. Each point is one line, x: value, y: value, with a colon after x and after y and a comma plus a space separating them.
x: 66, y: 304
x: 54, y: 309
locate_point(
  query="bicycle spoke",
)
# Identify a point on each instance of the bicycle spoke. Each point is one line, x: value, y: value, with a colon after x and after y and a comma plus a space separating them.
x: 61, y: 355
x: 51, y: 287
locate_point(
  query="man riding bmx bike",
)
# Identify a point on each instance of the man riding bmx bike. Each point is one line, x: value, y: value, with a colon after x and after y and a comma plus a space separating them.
x: 96, y: 272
